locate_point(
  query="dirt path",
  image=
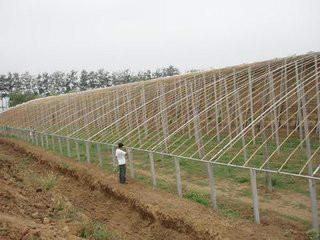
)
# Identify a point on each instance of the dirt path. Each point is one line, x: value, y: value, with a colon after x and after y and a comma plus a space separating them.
x: 44, y: 196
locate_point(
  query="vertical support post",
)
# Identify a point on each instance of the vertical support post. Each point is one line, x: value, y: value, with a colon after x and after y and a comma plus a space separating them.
x: 314, y: 204
x: 273, y: 99
x: 87, y: 151
x: 285, y: 92
x: 41, y: 138
x: 114, y: 159
x: 60, y: 145
x: 99, y: 154
x: 265, y: 150
x: 253, y: 180
x: 317, y: 92
x: 216, y: 112
x: 235, y: 92
x: 178, y: 176
x: 68, y: 147
x: 130, y: 158
x: 164, y: 118
x: 227, y: 107
x: 251, y: 105
x: 205, y: 101
x: 47, y: 141
x: 36, y: 138
x: 53, y: 143
x: 245, y: 155
x: 213, y: 192
x: 144, y: 110
x: 312, y: 183
x: 196, y: 124
x: 153, y: 171
x: 78, y: 150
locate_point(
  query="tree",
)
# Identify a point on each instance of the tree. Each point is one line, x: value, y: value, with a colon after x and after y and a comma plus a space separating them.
x: 104, y: 78
x: 170, y: 71
x: 84, y: 80
x: 57, y: 83
x: 71, y: 81
x: 21, y: 97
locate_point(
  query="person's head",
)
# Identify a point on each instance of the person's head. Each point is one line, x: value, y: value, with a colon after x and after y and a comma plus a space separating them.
x: 120, y: 145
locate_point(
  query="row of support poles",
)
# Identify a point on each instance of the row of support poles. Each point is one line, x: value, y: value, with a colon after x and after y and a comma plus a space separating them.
x: 312, y: 183
x: 210, y: 166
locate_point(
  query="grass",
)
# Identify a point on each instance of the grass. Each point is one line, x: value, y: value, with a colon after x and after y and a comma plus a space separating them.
x: 97, y: 231
x: 313, y: 235
x: 227, y: 211
x: 196, y: 197
x: 49, y: 181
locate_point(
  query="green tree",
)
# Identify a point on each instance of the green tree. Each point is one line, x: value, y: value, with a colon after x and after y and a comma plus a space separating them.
x: 19, y: 97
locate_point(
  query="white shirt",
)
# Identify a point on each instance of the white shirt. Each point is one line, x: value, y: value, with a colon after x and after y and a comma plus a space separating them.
x: 121, y: 156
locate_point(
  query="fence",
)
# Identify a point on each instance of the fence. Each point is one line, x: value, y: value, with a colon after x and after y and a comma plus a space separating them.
x: 85, y: 150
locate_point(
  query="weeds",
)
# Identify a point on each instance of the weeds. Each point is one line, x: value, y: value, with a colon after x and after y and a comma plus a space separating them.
x: 97, y: 231
x: 224, y: 210
x: 313, y: 235
x: 196, y: 197
x: 49, y: 181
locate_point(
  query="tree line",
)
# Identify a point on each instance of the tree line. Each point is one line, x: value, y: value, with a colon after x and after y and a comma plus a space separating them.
x: 46, y: 84
x: 21, y: 87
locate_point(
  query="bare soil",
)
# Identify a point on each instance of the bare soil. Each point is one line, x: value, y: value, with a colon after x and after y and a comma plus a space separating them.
x: 46, y: 196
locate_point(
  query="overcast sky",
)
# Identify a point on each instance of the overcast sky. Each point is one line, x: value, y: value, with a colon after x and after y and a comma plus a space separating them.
x: 49, y: 35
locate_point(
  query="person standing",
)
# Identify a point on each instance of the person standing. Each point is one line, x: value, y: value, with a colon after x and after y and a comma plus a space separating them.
x: 121, y: 157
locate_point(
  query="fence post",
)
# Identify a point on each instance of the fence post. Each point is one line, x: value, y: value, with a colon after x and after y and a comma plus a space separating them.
x: 212, y: 185
x: 36, y: 138
x: 99, y: 154
x: 87, y: 151
x: 153, y: 171
x: 178, y: 176
x: 42, y: 141
x: 60, y: 145
x: 53, y: 146
x: 253, y: 180
x: 114, y: 160
x: 68, y: 147
x: 47, y: 141
x: 130, y: 157
x: 314, y: 204
x: 78, y: 150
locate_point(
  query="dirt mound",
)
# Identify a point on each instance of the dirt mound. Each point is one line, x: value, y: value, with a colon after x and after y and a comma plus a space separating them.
x: 54, y: 197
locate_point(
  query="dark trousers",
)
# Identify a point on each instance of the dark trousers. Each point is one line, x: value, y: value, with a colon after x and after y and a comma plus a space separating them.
x: 122, y: 173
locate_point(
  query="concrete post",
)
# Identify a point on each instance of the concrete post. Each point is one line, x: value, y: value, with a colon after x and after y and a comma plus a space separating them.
x: 178, y: 176
x: 130, y: 158
x: 78, y: 150
x: 68, y: 147
x: 213, y: 193
x: 87, y: 151
x: 253, y: 180
x: 99, y: 154
x: 153, y: 171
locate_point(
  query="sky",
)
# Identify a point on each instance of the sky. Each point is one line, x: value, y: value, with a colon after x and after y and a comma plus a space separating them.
x: 50, y: 35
